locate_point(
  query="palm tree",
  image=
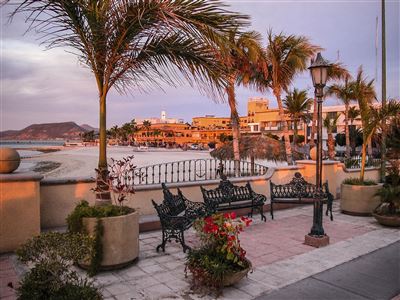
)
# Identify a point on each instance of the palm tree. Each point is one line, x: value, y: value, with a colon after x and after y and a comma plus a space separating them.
x: 330, y: 125
x: 135, y: 44
x: 353, y: 114
x: 363, y: 91
x: 297, y: 104
x: 343, y: 92
x: 241, y: 56
x: 336, y: 72
x: 146, y: 126
x: 287, y: 56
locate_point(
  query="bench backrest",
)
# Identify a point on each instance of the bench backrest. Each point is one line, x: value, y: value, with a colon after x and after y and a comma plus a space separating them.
x: 298, y: 187
x: 176, y: 203
x: 227, y: 192
x: 163, y: 210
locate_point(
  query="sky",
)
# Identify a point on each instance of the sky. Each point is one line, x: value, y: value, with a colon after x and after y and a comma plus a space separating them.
x: 44, y: 86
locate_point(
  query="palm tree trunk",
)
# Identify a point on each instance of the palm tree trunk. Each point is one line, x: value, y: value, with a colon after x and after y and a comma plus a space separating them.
x: 295, y: 132
x: 103, y: 196
x: 363, y: 161
x: 331, y: 146
x: 313, y: 124
x: 235, y: 124
x: 346, y: 130
x: 288, y: 147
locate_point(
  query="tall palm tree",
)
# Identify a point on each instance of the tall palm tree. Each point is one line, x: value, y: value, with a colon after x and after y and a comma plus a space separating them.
x: 287, y: 56
x: 343, y: 92
x: 297, y: 105
x: 336, y: 72
x: 241, y: 55
x: 330, y: 125
x: 136, y: 43
x: 363, y: 91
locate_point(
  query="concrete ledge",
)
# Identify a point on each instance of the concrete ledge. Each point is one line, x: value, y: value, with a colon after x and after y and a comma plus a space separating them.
x: 19, y: 176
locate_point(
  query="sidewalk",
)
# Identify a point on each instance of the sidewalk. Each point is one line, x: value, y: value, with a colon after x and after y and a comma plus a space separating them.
x: 373, y: 276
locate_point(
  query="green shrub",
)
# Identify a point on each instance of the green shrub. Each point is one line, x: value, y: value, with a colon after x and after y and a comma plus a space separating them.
x: 356, y: 181
x: 83, y: 210
x: 51, y: 277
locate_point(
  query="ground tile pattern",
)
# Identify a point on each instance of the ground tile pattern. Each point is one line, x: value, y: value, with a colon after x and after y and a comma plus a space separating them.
x: 275, y: 247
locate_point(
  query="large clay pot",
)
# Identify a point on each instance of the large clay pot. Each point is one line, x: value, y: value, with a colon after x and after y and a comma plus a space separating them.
x: 391, y: 221
x: 359, y: 200
x: 233, y: 278
x: 120, y: 239
x: 9, y: 160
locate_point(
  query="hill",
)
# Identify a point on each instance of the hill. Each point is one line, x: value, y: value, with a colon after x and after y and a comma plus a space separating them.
x: 47, y: 131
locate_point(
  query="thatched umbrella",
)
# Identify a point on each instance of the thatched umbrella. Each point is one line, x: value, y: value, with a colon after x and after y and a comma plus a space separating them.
x: 253, y: 147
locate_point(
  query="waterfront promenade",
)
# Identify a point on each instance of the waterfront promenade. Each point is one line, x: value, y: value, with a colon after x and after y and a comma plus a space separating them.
x: 276, y: 249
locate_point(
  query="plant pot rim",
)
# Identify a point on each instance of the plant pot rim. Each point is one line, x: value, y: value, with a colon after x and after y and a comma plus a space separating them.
x: 366, y: 186
x: 134, y: 211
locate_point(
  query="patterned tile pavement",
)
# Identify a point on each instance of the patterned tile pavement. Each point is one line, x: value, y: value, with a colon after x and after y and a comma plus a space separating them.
x: 276, y: 249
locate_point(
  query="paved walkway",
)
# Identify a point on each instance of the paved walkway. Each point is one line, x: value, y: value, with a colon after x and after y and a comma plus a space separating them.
x: 276, y: 248
x: 373, y: 276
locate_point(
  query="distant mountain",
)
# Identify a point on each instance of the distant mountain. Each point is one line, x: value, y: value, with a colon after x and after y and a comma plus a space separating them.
x: 89, y: 128
x: 47, y: 131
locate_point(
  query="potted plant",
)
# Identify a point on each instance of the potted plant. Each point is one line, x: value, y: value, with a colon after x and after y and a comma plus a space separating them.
x: 220, y: 260
x: 115, y: 227
x: 358, y: 196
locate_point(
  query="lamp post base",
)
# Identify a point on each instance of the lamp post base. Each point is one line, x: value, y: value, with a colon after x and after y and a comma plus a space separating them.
x: 316, y: 241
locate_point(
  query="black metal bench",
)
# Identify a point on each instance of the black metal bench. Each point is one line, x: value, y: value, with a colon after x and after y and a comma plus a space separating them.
x: 228, y: 196
x: 177, y: 214
x: 299, y: 191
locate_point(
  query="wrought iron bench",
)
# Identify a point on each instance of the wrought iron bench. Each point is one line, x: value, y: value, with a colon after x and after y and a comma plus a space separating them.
x: 177, y: 214
x: 299, y: 191
x: 228, y: 196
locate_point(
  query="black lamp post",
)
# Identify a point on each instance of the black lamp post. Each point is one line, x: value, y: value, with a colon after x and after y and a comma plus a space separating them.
x: 319, y: 73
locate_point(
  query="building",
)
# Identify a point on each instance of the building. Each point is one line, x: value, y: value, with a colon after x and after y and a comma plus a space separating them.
x: 161, y: 120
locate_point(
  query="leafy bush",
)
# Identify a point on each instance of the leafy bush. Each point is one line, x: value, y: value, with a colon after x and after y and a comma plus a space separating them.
x: 51, y: 277
x: 220, y: 252
x: 356, y: 181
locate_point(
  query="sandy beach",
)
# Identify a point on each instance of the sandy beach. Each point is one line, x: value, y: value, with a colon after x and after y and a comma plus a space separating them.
x: 81, y: 161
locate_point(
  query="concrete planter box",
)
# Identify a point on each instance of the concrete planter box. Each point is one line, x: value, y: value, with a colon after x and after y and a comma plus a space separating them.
x: 120, y: 239
x: 359, y: 200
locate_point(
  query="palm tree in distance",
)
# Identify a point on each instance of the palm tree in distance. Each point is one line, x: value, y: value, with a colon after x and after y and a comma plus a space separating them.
x: 330, y: 125
x: 343, y: 92
x: 336, y: 72
x: 146, y: 126
x: 135, y: 44
x: 353, y: 113
x: 297, y: 104
x: 287, y: 56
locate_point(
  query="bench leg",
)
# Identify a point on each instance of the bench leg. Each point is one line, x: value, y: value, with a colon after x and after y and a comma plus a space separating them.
x: 272, y: 210
x: 261, y: 209
x: 162, y: 245
x: 182, y: 240
x: 250, y: 214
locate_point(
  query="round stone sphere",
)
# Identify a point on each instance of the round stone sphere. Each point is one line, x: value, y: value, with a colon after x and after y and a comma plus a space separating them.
x: 9, y: 160
x: 313, y: 153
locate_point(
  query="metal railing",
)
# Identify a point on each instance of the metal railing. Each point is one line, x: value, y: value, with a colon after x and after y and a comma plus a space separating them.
x: 355, y: 162
x: 192, y: 170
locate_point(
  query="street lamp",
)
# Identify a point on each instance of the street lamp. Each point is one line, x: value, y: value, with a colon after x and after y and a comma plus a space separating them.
x: 319, y: 74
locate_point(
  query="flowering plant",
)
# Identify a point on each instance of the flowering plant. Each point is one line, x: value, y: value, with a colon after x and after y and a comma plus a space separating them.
x: 220, y: 252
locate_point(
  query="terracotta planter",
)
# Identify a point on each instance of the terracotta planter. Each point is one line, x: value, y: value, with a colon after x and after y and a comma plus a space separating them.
x: 233, y: 278
x: 391, y: 221
x: 359, y: 200
x: 120, y: 239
